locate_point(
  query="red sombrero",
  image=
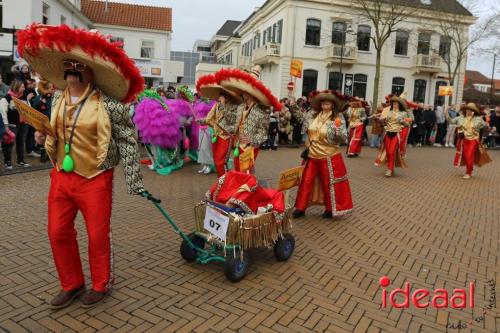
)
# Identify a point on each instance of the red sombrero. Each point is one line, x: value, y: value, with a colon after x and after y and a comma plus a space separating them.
x: 208, y: 87
x: 46, y: 47
x: 236, y: 79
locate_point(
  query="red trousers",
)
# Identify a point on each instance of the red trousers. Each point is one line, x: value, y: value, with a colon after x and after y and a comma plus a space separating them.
x: 458, y: 155
x: 469, y: 154
x: 391, y: 147
x: 355, y: 140
x: 405, y: 132
x: 70, y: 193
x: 334, y: 184
x: 237, y: 160
x: 221, y: 150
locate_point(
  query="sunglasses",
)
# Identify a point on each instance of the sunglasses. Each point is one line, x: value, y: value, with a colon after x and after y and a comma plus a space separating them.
x: 70, y: 65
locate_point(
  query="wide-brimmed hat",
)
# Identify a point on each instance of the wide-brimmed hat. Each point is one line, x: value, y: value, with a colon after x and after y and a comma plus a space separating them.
x: 339, y: 100
x: 356, y: 102
x: 238, y: 80
x: 208, y: 87
x: 394, y: 98
x: 472, y: 107
x: 45, y: 48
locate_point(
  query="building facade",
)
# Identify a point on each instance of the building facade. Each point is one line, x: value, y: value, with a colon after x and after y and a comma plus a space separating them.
x: 144, y: 31
x: 335, y: 46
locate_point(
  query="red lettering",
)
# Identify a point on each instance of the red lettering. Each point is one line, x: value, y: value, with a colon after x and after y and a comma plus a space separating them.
x: 443, y: 296
x: 459, y: 294
x: 405, y: 292
x: 384, y: 298
x: 416, y: 298
x: 471, y: 295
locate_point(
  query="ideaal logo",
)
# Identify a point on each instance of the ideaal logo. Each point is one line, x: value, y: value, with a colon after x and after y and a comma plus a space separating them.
x: 423, y: 298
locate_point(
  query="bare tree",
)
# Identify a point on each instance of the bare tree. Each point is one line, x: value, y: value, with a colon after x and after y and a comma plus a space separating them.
x: 463, y: 41
x: 384, y: 16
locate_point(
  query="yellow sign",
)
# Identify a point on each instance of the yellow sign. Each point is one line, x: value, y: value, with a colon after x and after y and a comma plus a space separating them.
x: 290, y: 178
x: 33, y: 117
x: 445, y: 91
x: 296, y: 68
x: 247, y: 159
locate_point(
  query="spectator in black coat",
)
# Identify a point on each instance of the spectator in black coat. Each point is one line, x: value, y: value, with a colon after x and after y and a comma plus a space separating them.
x: 429, y: 122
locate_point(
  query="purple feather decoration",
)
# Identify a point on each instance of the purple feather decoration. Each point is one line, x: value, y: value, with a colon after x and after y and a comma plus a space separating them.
x: 180, y: 107
x: 156, y: 125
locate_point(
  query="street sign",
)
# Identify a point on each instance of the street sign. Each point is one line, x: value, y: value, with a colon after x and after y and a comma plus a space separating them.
x: 445, y: 91
x: 296, y: 68
x: 290, y: 86
x: 348, y: 85
x: 216, y: 223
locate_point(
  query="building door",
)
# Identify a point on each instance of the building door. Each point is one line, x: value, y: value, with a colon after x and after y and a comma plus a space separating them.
x: 309, y: 82
x: 439, y: 100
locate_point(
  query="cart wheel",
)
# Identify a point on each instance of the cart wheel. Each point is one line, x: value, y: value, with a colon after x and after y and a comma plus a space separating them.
x: 189, y: 253
x: 283, y: 248
x: 234, y: 267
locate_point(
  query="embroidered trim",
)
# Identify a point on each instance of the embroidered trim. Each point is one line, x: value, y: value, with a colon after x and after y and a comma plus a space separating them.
x: 220, y: 182
x: 331, y: 181
x: 240, y: 204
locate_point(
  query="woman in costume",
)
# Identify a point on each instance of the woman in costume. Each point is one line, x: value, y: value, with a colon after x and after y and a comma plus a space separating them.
x: 158, y: 128
x: 469, y: 124
x: 405, y: 132
x: 253, y: 114
x: 356, y: 115
x: 395, y: 118
x: 205, y: 154
x: 222, y: 119
x: 326, y: 132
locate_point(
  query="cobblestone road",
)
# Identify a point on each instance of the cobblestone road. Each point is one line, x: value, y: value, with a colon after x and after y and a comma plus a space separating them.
x: 426, y: 226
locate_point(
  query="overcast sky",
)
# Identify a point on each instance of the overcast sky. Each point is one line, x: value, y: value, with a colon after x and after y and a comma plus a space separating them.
x: 200, y: 19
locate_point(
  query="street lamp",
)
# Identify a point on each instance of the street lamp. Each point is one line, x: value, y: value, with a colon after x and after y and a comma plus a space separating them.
x: 492, y: 89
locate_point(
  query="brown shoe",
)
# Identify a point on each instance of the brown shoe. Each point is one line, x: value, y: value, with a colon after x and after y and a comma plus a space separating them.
x: 92, y: 298
x: 65, y: 298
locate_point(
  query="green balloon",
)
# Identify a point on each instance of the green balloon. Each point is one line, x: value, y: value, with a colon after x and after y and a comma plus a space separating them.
x: 214, y: 139
x: 236, y: 152
x: 68, y: 164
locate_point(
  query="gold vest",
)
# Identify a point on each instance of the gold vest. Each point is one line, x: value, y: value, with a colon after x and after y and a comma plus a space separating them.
x: 318, y: 144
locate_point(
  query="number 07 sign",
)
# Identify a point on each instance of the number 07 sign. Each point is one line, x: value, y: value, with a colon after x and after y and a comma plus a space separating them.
x: 216, y: 223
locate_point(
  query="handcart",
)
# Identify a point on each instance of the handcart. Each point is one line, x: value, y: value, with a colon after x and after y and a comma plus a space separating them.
x: 223, y: 235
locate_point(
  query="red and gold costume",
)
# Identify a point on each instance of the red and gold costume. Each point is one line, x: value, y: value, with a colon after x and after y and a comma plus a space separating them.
x: 468, y: 142
x: 395, y: 121
x: 103, y: 135
x: 325, y: 163
x: 357, y: 116
x: 405, y: 133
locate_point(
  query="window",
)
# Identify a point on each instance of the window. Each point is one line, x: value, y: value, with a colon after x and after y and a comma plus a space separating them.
x: 419, y: 91
x: 313, y: 32
x: 279, y: 32
x: 45, y: 13
x: 360, y: 82
x: 63, y: 19
x: 398, y: 85
x: 264, y: 37
x: 424, y: 43
x: 147, y: 49
x: 335, y: 81
x: 256, y: 41
x: 270, y: 34
x: 364, y: 33
x: 228, y: 59
x: 338, y: 33
x: 445, y: 47
x: 1, y: 14
x: 310, y: 81
x: 275, y: 26
x: 401, y: 43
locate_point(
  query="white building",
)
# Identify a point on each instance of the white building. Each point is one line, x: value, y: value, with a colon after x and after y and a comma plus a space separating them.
x: 318, y: 32
x: 145, y: 31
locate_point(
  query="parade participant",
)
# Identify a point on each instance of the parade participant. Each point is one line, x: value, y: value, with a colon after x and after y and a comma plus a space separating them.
x: 222, y: 118
x: 326, y: 133
x: 395, y: 118
x: 252, y: 114
x: 93, y: 132
x: 205, y: 155
x: 469, y: 124
x: 405, y: 131
x: 356, y: 115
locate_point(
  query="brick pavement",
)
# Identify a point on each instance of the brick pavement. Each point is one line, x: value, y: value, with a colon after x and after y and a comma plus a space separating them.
x: 426, y: 226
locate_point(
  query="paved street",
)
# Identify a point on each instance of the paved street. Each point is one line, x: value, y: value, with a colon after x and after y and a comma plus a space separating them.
x: 426, y: 225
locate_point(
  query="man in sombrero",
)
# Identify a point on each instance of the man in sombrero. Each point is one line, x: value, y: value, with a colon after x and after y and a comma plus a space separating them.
x: 93, y: 132
x: 469, y: 125
x: 253, y: 113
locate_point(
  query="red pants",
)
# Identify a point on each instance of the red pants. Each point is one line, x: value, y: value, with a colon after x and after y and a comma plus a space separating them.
x: 221, y: 153
x: 237, y: 160
x: 458, y: 155
x: 334, y: 184
x: 70, y: 193
x: 405, y: 132
x: 355, y: 140
x: 469, y: 154
x: 391, y: 147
